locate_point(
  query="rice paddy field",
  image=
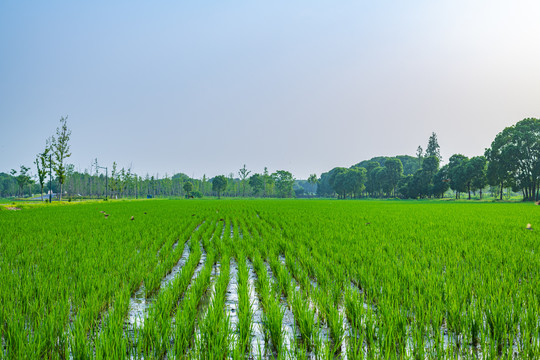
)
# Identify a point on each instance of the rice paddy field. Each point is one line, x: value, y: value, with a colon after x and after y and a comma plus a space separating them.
x: 287, y: 279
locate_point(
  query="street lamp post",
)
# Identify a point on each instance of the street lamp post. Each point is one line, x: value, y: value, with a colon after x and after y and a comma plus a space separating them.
x: 106, y: 181
x: 50, y: 179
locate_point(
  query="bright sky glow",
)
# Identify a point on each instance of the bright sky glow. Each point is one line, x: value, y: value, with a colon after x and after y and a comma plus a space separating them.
x: 297, y: 85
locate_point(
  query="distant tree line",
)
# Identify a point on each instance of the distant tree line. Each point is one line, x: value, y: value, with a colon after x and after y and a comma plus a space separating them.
x: 512, y: 162
x: 123, y: 183
x: 55, y: 176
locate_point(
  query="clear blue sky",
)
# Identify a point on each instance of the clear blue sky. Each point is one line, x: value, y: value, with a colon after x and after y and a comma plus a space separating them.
x: 305, y: 86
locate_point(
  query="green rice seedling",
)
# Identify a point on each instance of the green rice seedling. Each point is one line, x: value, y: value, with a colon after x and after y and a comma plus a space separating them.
x: 215, y: 328
x: 245, y: 311
x: 300, y: 350
x: 273, y: 312
x: 157, y: 331
x: 215, y: 338
x: 111, y: 342
x: 273, y: 321
x: 185, y: 323
x: 337, y: 330
x: 168, y: 258
x: 355, y: 340
x: 263, y: 287
x: 424, y: 270
x: 305, y: 318
x: 187, y: 313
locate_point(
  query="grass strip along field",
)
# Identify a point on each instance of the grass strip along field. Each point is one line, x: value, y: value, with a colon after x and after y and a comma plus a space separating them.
x: 271, y: 279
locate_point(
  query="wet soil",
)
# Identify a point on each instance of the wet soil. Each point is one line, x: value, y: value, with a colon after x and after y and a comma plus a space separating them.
x: 231, y: 296
x: 258, y: 346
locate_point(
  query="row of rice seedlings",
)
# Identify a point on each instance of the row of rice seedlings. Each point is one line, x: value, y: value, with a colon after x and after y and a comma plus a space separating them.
x: 429, y: 325
x: 108, y: 335
x: 252, y: 317
x: 272, y: 311
x: 186, y: 316
x: 304, y: 311
x: 20, y: 340
x: 111, y: 342
x: 231, y: 297
x: 215, y: 329
x: 164, y: 261
x: 297, y: 306
x: 326, y: 304
x: 302, y: 308
x: 359, y: 323
x: 433, y: 282
x: 327, y: 297
x: 205, y: 233
x: 434, y: 322
x: 74, y: 273
x: 49, y: 298
x: 157, y: 330
x: 245, y: 311
x: 168, y: 258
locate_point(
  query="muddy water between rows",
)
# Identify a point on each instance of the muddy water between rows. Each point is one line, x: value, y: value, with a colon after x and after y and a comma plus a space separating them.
x: 231, y: 297
x: 289, y: 328
x: 139, y: 304
x: 258, y: 345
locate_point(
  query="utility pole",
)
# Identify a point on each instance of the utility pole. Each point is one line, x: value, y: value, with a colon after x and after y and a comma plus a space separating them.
x: 50, y: 179
x: 106, y: 181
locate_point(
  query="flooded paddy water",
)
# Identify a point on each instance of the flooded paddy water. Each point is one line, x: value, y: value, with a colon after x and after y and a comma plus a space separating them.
x: 231, y: 297
x: 429, y: 289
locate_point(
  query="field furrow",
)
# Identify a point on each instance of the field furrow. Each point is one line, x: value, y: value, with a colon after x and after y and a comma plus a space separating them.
x: 199, y: 279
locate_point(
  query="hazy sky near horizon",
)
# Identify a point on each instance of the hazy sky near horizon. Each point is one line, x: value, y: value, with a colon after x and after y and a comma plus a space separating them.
x: 204, y: 87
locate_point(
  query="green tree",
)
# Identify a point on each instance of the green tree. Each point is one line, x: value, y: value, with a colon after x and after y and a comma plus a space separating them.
x: 256, y: 182
x: 458, y: 174
x: 243, y: 173
x: 419, y: 155
x: 323, y: 187
x: 284, y: 183
x: 114, y: 180
x: 433, y: 148
x: 500, y: 168
x: 269, y: 183
x: 430, y: 164
x: 404, y: 186
x: 60, y: 149
x: 204, y: 181
x: 355, y: 180
x: 41, y: 165
x: 514, y: 157
x: 337, y: 181
x: 22, y: 179
x: 477, y: 173
x: 394, y: 172
x: 440, y: 182
x: 384, y: 183
x: 188, y: 187
x: 219, y: 184
x: 372, y: 184
x: 410, y: 163
x: 418, y: 186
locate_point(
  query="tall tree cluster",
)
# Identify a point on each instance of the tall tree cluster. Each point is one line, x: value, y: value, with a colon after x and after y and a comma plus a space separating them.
x: 50, y: 161
x: 384, y: 177
x: 514, y: 159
